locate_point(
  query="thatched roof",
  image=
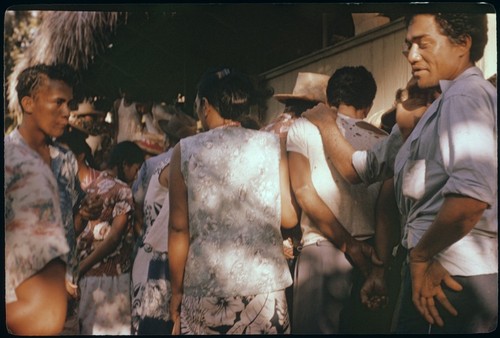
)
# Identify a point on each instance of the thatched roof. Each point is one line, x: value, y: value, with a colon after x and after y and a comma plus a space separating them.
x: 73, y: 37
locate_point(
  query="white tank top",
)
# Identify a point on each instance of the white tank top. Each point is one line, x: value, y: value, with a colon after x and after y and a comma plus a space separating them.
x: 129, y: 122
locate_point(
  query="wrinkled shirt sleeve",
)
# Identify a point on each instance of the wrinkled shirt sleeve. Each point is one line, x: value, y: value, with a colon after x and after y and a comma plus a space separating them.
x: 377, y: 164
x: 34, y: 232
x: 467, y: 139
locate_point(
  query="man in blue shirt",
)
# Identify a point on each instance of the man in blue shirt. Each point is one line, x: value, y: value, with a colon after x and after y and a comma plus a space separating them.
x: 445, y: 179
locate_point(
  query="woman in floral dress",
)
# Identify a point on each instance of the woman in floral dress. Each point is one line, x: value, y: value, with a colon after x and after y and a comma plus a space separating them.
x: 150, y: 280
x: 229, y: 193
x: 105, y: 247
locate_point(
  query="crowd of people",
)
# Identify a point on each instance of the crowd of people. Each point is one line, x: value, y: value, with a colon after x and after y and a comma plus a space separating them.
x: 152, y: 221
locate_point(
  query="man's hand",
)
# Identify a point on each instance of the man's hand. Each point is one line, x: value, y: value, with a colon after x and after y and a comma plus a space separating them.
x: 321, y: 115
x: 374, y: 290
x: 73, y: 290
x: 288, y: 248
x: 362, y: 256
x: 426, y: 278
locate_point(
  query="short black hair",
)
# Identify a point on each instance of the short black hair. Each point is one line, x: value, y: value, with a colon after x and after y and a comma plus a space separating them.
x: 126, y: 152
x: 353, y: 86
x: 30, y: 79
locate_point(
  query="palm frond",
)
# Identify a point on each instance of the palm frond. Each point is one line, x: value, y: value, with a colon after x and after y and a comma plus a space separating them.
x: 72, y: 37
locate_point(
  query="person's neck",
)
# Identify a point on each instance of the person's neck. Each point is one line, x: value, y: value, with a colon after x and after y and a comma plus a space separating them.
x: 351, y: 111
x: 215, y: 121
x: 83, y: 171
x: 112, y: 172
x: 461, y: 68
x: 36, y: 140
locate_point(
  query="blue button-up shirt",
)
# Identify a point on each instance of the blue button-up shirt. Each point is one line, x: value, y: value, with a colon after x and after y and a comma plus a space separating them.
x: 452, y: 150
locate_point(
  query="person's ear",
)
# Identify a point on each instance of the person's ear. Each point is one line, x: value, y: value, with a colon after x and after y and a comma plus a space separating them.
x: 465, y: 45
x: 27, y: 104
x: 205, y: 106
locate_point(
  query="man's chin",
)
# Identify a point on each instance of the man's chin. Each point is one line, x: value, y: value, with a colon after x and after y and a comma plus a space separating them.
x: 57, y: 133
x: 425, y: 84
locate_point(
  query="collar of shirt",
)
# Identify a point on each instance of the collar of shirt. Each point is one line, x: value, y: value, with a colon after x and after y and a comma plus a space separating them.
x: 471, y: 71
x: 445, y: 85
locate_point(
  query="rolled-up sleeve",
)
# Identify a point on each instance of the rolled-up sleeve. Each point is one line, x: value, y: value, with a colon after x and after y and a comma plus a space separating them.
x: 467, y: 137
x: 377, y: 164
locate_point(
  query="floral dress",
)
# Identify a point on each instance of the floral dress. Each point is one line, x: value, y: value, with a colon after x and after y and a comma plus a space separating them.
x: 151, y: 289
x: 105, y: 288
x: 236, y: 273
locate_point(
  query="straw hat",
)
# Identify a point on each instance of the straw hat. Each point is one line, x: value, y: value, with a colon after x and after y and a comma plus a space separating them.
x: 308, y: 87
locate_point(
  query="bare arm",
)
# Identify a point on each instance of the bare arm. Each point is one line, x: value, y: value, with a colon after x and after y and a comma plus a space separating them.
x: 387, y: 233
x: 456, y: 218
x: 337, y: 149
x: 164, y: 175
x: 138, y: 220
x: 387, y: 222
x: 289, y: 206
x: 139, y: 189
x: 41, y: 303
x: 107, y: 246
x: 178, y: 234
x: 361, y: 254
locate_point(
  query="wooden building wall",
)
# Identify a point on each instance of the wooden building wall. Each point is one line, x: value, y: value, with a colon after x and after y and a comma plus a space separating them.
x: 379, y: 50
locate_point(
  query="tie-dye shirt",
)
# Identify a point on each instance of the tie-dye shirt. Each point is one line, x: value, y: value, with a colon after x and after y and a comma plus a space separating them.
x: 65, y: 170
x: 34, y: 232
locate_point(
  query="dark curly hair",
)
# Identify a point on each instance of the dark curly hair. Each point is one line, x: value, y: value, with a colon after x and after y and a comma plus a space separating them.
x: 353, y: 86
x: 457, y: 26
x: 30, y: 79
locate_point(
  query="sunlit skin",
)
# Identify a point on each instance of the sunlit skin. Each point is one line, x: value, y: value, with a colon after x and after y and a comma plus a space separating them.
x: 47, y: 111
x: 45, y: 115
x: 25, y: 316
x: 432, y: 55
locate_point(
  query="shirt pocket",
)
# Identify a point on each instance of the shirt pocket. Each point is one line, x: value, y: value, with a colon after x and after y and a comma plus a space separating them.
x: 414, y: 179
